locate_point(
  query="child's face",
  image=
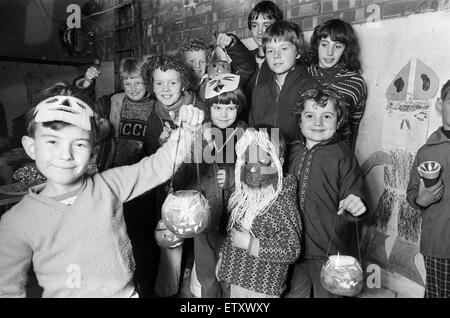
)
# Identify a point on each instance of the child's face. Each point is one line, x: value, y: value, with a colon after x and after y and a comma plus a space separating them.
x: 134, y: 88
x: 223, y: 115
x: 258, y: 26
x: 281, y: 56
x: 446, y: 111
x: 167, y: 86
x: 196, y: 60
x: 61, y: 155
x: 318, y: 123
x: 330, y: 52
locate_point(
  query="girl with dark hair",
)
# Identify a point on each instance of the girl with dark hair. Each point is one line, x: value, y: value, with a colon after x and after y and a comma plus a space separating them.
x: 334, y: 62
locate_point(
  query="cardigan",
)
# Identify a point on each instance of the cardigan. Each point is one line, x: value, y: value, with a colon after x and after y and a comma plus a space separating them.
x: 326, y: 174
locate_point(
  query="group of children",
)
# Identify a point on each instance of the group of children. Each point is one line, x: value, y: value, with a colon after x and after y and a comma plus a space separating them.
x: 281, y: 189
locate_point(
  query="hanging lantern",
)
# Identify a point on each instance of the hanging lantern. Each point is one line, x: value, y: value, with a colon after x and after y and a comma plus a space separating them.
x: 185, y: 212
x: 342, y: 275
x: 165, y: 238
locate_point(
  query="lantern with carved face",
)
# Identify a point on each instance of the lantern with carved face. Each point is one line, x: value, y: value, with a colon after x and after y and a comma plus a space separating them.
x: 185, y: 213
x: 165, y: 238
x: 342, y: 275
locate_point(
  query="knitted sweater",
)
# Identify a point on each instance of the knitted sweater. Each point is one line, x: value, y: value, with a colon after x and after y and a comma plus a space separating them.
x: 279, y: 231
x: 353, y: 88
x: 81, y: 250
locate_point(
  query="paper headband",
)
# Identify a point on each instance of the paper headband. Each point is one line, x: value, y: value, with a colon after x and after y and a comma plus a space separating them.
x: 221, y: 84
x: 68, y: 109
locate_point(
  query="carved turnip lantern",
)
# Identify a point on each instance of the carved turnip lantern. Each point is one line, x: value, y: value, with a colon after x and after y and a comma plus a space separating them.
x: 185, y: 213
x: 165, y: 238
x: 342, y: 275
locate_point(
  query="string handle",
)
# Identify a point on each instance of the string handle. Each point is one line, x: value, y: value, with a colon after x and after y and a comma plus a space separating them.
x: 175, y: 161
x: 357, y: 239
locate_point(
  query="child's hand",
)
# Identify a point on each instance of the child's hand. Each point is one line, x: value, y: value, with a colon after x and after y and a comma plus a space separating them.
x: 165, y: 134
x: 221, y: 177
x: 352, y: 204
x: 91, y: 74
x: 240, y: 239
x: 427, y: 196
x: 223, y: 40
x: 189, y: 117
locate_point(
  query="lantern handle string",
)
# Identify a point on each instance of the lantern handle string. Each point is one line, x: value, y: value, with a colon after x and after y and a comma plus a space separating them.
x: 175, y: 161
x: 357, y: 240
x: 331, y: 240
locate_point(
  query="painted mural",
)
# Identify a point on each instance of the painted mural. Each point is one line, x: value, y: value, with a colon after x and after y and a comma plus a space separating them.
x: 399, y: 118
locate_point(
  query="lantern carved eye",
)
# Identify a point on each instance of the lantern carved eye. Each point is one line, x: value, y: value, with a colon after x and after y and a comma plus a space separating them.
x: 186, y: 213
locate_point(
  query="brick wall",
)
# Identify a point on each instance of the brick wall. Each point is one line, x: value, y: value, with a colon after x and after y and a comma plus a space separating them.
x: 166, y: 23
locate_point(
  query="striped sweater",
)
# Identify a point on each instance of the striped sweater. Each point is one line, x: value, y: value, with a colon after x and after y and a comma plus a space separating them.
x: 353, y: 87
x: 279, y: 233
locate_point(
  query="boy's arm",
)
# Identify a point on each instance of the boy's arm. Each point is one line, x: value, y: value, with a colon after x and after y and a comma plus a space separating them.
x: 128, y: 182
x: 242, y: 60
x: 285, y: 246
x: 15, y: 258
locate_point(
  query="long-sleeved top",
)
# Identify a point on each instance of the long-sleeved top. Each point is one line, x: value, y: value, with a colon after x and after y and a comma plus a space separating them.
x: 279, y: 231
x: 326, y: 174
x: 273, y: 106
x: 435, y: 232
x: 79, y: 250
x: 353, y: 88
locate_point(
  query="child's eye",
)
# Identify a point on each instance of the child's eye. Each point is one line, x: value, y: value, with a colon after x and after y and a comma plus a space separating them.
x: 309, y: 116
x: 52, y: 142
x: 269, y: 51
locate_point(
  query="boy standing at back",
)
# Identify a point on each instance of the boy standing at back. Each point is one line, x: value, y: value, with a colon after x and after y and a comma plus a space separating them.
x: 72, y: 227
x: 272, y: 102
x: 433, y: 203
x: 263, y: 15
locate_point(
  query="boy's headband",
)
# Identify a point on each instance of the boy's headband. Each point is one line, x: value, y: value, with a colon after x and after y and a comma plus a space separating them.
x: 67, y: 109
x: 221, y: 84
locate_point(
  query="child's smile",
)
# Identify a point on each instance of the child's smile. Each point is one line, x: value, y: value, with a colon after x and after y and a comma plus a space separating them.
x: 318, y: 123
x: 62, y: 156
x: 167, y: 86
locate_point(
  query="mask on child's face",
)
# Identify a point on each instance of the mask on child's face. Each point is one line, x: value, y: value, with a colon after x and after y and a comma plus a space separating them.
x: 218, y: 68
x: 259, y: 170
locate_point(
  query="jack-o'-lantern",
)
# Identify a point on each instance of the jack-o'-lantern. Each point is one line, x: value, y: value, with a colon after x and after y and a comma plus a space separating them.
x: 342, y: 275
x: 185, y: 212
x: 165, y: 238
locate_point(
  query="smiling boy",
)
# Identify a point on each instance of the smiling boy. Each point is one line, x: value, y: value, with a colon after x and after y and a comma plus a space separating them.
x: 329, y: 187
x: 272, y: 102
x: 72, y: 227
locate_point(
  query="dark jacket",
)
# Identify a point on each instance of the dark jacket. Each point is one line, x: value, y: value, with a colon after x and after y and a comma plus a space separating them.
x: 269, y: 107
x: 326, y: 173
x: 435, y: 232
